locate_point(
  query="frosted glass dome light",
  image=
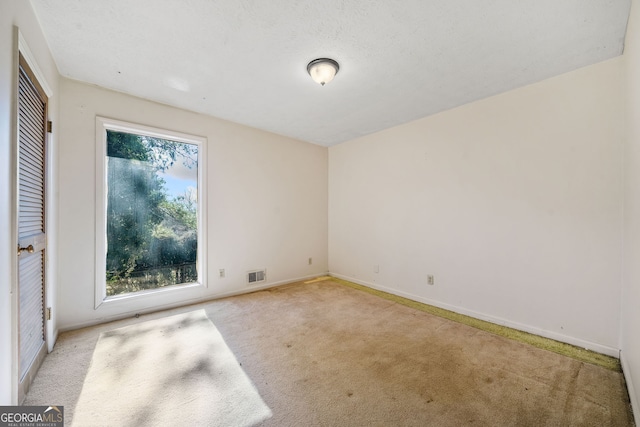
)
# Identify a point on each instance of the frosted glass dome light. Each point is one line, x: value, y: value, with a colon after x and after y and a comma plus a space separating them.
x: 323, y: 70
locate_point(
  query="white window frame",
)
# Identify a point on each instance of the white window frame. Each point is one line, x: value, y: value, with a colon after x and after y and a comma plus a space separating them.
x: 102, y: 125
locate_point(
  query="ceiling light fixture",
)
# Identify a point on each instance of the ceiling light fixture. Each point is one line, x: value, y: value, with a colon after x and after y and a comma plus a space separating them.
x: 323, y: 70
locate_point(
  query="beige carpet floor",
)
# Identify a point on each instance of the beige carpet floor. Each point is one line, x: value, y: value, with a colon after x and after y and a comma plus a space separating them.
x: 324, y: 354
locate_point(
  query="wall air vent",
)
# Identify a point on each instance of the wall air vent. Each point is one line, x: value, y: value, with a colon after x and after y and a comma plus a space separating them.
x: 256, y: 276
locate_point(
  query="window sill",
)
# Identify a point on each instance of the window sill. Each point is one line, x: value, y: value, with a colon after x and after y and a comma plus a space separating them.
x: 154, y: 294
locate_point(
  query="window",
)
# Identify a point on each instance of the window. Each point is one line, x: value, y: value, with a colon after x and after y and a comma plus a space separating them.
x: 149, y: 210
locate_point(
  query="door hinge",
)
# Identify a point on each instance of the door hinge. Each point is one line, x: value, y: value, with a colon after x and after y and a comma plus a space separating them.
x: 49, y: 126
x: 48, y: 313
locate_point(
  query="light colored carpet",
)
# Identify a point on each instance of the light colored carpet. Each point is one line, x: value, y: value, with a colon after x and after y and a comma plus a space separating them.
x: 171, y: 371
x: 325, y: 354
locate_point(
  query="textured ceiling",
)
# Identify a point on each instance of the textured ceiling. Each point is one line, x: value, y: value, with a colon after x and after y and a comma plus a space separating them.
x: 245, y: 60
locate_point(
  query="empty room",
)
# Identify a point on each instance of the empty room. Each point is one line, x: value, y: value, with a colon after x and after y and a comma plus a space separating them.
x: 242, y: 213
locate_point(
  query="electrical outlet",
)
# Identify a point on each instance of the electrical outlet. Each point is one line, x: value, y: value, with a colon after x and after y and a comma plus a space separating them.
x: 310, y: 260
x: 430, y: 279
x: 222, y: 273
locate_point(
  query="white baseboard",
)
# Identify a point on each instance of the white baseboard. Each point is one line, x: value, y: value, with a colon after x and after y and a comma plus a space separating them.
x: 243, y: 290
x: 633, y: 396
x: 598, y: 348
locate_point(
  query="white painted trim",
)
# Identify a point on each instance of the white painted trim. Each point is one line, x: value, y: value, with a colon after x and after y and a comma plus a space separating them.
x: 141, y: 295
x: 599, y: 348
x: 33, y: 64
x: 246, y: 290
x: 51, y: 221
x: 51, y: 218
x: 15, y: 315
x: 102, y: 125
x: 633, y: 394
x: 101, y: 220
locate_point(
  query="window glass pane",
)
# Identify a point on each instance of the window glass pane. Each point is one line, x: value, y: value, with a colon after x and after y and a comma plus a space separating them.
x: 152, y: 213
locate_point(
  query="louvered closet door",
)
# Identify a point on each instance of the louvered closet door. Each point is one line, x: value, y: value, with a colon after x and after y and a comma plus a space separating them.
x: 32, y: 119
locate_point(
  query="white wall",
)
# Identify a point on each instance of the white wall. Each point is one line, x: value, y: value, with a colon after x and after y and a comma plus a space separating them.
x: 19, y: 14
x: 267, y: 202
x: 514, y: 203
x: 630, y: 325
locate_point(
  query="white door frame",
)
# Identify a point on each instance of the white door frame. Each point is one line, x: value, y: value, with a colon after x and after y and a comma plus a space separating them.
x: 21, y: 47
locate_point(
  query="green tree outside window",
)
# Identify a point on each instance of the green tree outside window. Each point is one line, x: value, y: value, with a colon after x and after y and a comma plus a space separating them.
x: 152, y: 227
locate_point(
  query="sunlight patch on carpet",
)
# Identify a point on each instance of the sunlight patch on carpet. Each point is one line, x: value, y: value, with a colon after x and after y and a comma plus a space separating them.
x: 318, y: 279
x: 177, y: 370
